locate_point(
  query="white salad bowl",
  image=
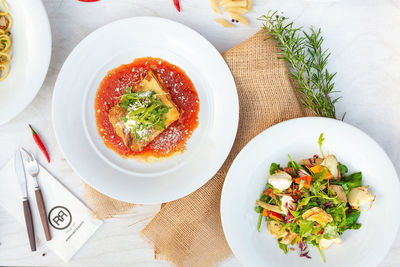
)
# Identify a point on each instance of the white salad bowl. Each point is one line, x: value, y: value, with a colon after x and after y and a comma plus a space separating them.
x: 247, y: 179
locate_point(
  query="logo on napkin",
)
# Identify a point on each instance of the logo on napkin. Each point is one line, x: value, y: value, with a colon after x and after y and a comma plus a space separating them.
x: 60, y: 217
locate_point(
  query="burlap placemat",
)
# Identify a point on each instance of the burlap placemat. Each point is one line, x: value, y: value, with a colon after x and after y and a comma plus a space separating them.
x: 188, y: 231
x: 103, y: 206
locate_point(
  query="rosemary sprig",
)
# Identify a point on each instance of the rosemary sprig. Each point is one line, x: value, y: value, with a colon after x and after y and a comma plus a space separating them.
x: 307, y: 63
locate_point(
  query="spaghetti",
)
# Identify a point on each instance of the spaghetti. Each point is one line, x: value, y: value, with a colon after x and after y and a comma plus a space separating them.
x: 5, y: 40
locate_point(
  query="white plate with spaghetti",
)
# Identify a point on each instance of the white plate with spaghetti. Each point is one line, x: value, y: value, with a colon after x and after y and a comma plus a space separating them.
x: 29, y: 55
x: 121, y: 55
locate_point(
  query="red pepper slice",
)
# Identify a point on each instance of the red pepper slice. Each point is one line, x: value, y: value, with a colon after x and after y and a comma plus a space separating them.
x: 307, y: 180
x: 177, y: 5
x: 272, y: 214
x: 88, y: 0
x: 40, y: 144
x: 275, y: 216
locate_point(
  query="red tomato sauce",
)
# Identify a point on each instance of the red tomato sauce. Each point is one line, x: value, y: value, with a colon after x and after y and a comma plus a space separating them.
x: 176, y: 82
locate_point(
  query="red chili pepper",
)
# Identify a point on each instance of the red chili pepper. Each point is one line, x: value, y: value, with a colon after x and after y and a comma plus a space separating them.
x: 177, y: 6
x: 88, y: 0
x: 40, y: 144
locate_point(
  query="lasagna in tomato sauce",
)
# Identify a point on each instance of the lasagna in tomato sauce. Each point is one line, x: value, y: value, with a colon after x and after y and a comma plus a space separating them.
x: 146, y: 109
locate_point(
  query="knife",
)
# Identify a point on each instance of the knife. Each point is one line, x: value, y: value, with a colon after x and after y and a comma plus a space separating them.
x: 20, y: 171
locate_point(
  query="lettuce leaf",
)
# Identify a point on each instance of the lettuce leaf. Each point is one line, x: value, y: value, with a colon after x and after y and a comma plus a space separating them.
x: 283, y: 247
x: 274, y: 167
x: 330, y: 231
x: 350, y: 182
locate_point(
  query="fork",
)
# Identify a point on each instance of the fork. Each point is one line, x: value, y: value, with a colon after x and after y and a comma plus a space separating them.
x: 33, y: 170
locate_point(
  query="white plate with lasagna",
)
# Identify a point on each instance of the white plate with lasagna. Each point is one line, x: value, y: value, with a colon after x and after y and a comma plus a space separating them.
x: 25, y: 54
x: 145, y: 110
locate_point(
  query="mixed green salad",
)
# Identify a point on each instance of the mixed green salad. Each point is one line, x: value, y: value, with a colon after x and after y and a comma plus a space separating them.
x: 313, y: 201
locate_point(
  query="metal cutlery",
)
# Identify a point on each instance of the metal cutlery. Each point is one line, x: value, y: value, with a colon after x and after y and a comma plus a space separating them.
x: 33, y: 170
x: 20, y: 171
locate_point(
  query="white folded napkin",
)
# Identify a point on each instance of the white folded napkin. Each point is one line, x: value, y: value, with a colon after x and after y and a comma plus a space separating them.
x: 71, y: 222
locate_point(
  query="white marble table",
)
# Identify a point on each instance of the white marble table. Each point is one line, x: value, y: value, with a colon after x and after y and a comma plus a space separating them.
x: 364, y: 36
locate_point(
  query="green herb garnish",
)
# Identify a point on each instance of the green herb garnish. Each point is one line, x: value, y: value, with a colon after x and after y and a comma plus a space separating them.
x: 145, y: 113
